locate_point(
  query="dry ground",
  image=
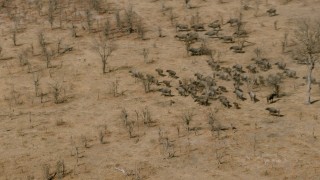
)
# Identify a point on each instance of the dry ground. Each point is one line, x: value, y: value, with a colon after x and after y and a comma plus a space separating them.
x: 35, y: 135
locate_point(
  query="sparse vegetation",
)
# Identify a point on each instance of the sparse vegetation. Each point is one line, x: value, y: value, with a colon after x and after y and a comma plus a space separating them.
x: 59, y: 93
x: 191, y: 89
x: 187, y: 118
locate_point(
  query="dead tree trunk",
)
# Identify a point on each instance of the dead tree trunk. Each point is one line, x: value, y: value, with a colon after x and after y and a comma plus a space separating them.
x: 104, y: 63
x: 309, y: 80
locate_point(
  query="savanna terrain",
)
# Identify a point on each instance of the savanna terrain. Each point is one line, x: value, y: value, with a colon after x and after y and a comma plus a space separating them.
x: 159, y: 89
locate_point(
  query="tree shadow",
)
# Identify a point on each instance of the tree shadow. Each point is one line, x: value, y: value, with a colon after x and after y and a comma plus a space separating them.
x: 278, y: 115
x: 274, y: 101
x: 312, y: 102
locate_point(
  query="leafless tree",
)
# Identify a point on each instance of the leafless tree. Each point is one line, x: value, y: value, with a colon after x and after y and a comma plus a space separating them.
x: 73, y: 30
x: 39, y: 5
x: 46, y: 171
x: 115, y: 88
x: 308, y: 35
x: 1, y: 49
x: 36, y: 80
x: 60, y: 15
x: 89, y: 20
x: 102, y: 134
x: 187, y: 118
x: 51, y: 7
x: 60, y: 169
x: 118, y: 19
x: 130, y: 15
x: 257, y: 7
x: 285, y: 42
x: 275, y: 25
x: 274, y: 81
x: 48, y: 55
x: 58, y: 92
x: 45, y: 51
x: 146, y: 116
x: 124, y: 116
x: 146, y: 84
x: 145, y: 54
x: 96, y: 4
x: 59, y: 45
x: 105, y: 48
x: 160, y: 34
x: 42, y: 41
x: 16, y: 22
x: 107, y: 29
x: 257, y: 51
x: 14, y: 35
x: 140, y: 29
x: 23, y: 58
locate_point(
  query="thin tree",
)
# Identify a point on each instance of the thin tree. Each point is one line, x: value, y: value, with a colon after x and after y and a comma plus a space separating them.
x: 60, y: 15
x: 39, y: 5
x: 51, y: 8
x: 15, y: 30
x: 96, y: 4
x: 118, y: 19
x: 308, y: 35
x: 130, y: 15
x: 14, y: 36
x: 89, y: 20
x: 104, y: 48
x: 42, y: 41
x: 107, y: 29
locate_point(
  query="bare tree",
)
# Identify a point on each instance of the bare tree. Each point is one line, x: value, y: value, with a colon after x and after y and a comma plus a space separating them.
x: 39, y: 5
x: 96, y: 4
x: 124, y: 116
x: 46, y: 171
x: 145, y: 54
x: 115, y: 88
x: 140, y: 29
x: 48, y: 55
x: 107, y: 29
x: 59, y: 45
x: 130, y: 15
x: 89, y: 20
x: 16, y: 21
x: 187, y: 118
x: 73, y: 30
x: 58, y: 93
x: 45, y: 51
x: 23, y: 58
x: 187, y: 3
x: 308, y: 34
x: 105, y: 48
x: 36, y: 80
x: 274, y: 81
x: 51, y: 7
x: 14, y: 35
x: 257, y: 7
x: 1, y: 51
x: 60, y: 169
x: 146, y: 116
x: 60, y: 15
x: 118, y: 19
x: 42, y: 41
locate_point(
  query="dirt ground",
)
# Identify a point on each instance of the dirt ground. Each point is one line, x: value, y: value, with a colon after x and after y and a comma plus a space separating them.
x: 71, y: 123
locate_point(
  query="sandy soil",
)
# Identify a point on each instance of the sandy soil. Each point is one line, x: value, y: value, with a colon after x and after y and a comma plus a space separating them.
x: 36, y: 135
